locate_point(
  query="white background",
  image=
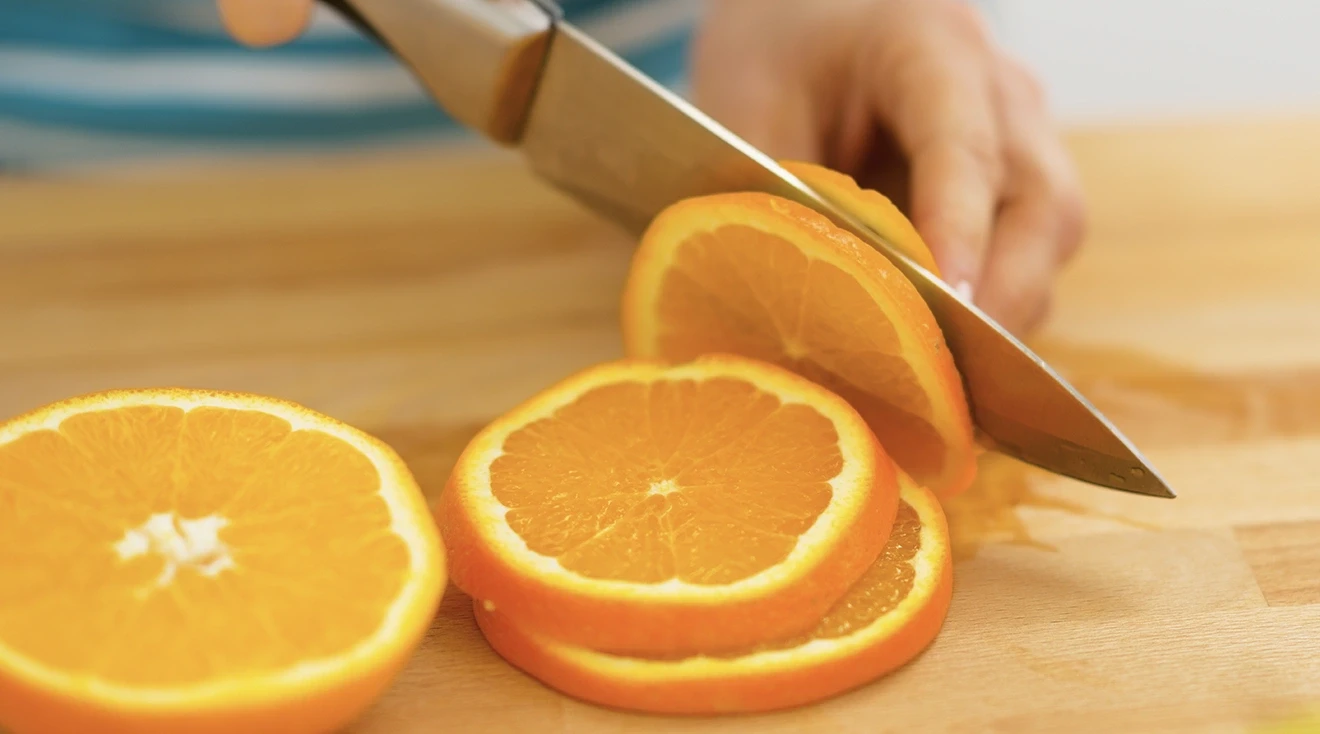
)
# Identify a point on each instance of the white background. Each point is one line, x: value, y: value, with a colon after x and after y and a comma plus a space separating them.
x: 1144, y: 60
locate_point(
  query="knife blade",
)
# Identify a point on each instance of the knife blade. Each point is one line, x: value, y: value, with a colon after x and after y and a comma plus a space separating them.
x: 595, y: 127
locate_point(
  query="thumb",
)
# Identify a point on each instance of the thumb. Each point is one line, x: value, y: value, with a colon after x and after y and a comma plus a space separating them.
x: 265, y: 22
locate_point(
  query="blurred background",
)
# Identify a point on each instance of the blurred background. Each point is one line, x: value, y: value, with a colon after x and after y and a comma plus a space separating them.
x: 417, y: 297
x: 1150, y: 60
x: 91, y: 82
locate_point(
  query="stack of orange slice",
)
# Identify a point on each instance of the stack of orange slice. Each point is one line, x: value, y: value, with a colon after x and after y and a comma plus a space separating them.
x: 743, y: 515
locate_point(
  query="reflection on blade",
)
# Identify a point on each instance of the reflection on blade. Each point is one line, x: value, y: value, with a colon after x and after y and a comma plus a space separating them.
x: 628, y: 148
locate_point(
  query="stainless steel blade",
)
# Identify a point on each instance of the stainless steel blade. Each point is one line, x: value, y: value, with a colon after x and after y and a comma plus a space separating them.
x: 627, y: 148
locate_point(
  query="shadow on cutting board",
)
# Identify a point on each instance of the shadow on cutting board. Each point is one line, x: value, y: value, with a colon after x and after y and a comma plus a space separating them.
x: 1158, y: 404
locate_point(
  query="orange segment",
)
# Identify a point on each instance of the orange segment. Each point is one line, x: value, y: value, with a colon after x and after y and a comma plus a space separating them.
x: 870, y: 207
x: 887, y: 618
x: 766, y: 278
x: 190, y: 561
x: 641, y: 507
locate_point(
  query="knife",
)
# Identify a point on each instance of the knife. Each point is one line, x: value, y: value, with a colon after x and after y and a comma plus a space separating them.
x: 597, y: 128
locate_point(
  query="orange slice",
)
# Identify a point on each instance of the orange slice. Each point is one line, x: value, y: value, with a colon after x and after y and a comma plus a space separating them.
x: 764, y: 277
x: 870, y: 207
x: 648, y: 508
x: 188, y: 561
x: 886, y: 619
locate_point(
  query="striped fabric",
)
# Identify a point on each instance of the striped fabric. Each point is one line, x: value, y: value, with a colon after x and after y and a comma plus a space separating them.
x: 102, y: 81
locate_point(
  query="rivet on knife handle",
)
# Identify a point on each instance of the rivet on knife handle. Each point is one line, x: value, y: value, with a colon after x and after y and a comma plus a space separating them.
x: 479, y: 58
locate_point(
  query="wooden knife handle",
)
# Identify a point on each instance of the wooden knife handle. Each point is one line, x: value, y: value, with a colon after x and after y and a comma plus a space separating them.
x: 480, y: 59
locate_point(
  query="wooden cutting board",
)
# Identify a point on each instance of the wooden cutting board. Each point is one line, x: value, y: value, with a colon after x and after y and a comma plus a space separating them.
x: 419, y: 297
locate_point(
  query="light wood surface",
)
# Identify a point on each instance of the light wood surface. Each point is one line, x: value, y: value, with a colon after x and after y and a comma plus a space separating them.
x: 420, y: 297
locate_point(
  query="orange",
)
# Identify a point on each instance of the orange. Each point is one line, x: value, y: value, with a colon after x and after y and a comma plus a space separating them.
x: 639, y: 507
x: 764, y: 277
x: 870, y: 207
x: 886, y: 619
x: 187, y: 561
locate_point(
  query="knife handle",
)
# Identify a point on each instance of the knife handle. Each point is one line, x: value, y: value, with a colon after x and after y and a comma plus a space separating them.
x: 480, y: 59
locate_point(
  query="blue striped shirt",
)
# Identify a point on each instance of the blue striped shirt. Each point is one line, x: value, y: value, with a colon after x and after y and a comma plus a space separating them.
x: 96, y: 81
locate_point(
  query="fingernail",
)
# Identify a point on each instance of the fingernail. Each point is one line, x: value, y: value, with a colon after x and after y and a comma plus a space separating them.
x: 960, y: 269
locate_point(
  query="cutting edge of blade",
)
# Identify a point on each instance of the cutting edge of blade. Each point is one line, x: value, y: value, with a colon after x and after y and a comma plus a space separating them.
x: 926, y: 279
x: 1150, y: 484
x: 870, y: 236
x: 1152, y: 477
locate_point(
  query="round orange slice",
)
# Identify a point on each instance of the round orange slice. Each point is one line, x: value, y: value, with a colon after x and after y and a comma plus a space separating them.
x: 885, y: 620
x: 764, y: 277
x: 188, y: 561
x: 640, y: 507
x: 870, y: 207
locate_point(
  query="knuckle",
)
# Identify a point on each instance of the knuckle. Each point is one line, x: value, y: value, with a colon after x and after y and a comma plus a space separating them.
x: 1070, y: 210
x: 982, y: 148
x: 1022, y: 83
x: 966, y: 21
x: 983, y: 152
x: 1037, y: 311
x: 1076, y: 225
x: 1030, y: 90
x: 1033, y: 88
x: 1058, y: 196
x: 1019, y: 304
x: 968, y: 157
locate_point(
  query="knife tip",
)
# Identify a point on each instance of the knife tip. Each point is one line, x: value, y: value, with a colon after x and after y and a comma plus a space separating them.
x: 1166, y: 492
x: 1143, y: 480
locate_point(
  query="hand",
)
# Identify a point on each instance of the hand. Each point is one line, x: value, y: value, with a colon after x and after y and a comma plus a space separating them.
x: 265, y: 22
x: 851, y: 83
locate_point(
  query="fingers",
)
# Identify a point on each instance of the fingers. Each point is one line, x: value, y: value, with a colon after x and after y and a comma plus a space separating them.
x: 1016, y: 287
x: 953, y: 198
x: 738, y: 82
x: 1042, y: 221
x: 265, y: 22
x: 992, y: 189
x: 932, y: 89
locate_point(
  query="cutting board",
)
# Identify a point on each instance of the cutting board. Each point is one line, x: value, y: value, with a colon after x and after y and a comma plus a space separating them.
x: 418, y: 296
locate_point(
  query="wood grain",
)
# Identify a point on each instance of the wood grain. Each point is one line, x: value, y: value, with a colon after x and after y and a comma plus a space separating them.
x: 1285, y: 558
x: 420, y: 296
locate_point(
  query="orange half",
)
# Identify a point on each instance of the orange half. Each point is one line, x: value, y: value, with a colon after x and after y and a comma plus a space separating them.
x: 885, y: 620
x: 640, y: 507
x: 764, y: 277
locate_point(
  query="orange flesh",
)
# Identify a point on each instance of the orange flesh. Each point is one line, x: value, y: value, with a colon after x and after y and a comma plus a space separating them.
x: 741, y: 289
x: 87, y: 590
x: 706, y: 482
x: 884, y: 585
